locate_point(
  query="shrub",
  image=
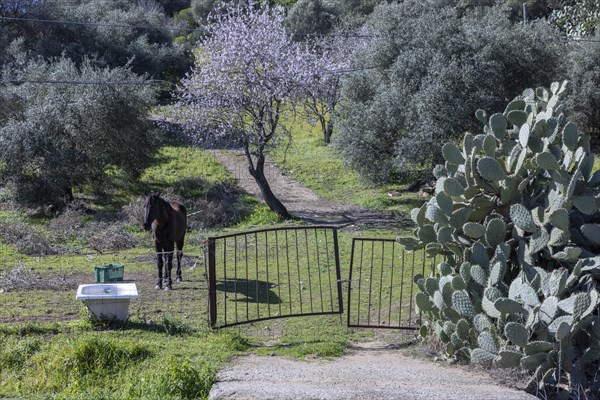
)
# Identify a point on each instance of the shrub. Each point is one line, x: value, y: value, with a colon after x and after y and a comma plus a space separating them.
x: 517, y: 216
x: 27, y: 239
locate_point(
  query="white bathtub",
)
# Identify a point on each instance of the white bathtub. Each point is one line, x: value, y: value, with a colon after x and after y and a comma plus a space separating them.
x: 108, y: 300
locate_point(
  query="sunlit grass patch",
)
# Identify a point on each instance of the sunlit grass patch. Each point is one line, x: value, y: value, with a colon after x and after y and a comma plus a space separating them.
x: 117, y: 364
x: 178, y: 165
x: 321, y: 168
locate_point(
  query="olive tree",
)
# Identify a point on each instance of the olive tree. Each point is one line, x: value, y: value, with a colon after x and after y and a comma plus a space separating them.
x: 426, y: 73
x: 99, y: 30
x: 247, y: 75
x: 55, y: 137
x: 583, y: 101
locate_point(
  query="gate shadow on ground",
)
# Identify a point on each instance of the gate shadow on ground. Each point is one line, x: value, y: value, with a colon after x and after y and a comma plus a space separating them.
x: 249, y: 291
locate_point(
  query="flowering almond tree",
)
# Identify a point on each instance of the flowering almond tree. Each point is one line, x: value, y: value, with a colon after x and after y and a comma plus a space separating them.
x: 248, y: 73
x: 335, y: 57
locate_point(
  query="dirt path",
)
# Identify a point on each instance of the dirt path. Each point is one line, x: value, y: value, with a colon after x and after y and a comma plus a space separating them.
x: 367, y: 372
x: 303, y: 202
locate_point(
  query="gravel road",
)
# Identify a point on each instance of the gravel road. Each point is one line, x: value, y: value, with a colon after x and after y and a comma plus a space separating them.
x: 361, y: 374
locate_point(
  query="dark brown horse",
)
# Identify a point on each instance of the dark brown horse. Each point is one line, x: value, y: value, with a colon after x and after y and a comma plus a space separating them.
x: 168, y: 222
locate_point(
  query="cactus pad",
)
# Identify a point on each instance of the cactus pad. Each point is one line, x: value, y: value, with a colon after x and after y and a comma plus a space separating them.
x: 585, y: 204
x: 458, y: 283
x: 508, y: 359
x: 461, y: 302
x: 538, y: 241
x: 569, y: 254
x: 478, y: 274
x: 452, y: 187
x: 487, y: 342
x: 522, y: 218
x: 538, y: 347
x: 558, y: 237
x: 473, y: 230
x: 452, y: 154
x: 570, y: 136
x: 481, y: 356
x: 490, y: 169
x: 426, y: 234
x: 423, y: 302
x: 508, y: 306
x: 497, y: 273
x: 481, y: 322
x: 487, y: 302
x: 517, y: 334
x: 495, y: 232
x: 481, y: 116
x: 553, y: 327
x: 438, y: 300
x: 547, y: 161
x: 548, y: 309
x: 445, y: 203
x: 533, y: 361
x: 465, y: 272
x: 517, y: 117
x: 591, y: 232
x: 435, y: 214
x: 498, y: 125
x: 462, y: 329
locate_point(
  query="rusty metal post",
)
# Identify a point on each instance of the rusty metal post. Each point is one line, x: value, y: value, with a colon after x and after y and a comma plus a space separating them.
x: 212, y: 282
x: 338, y: 273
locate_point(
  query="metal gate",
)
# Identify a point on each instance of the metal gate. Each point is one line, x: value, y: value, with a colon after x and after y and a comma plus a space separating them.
x: 381, y: 290
x: 295, y: 271
x: 273, y: 273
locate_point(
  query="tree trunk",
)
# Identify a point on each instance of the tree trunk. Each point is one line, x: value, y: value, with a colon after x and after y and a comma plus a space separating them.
x: 258, y: 173
x: 69, y: 197
x: 328, y: 131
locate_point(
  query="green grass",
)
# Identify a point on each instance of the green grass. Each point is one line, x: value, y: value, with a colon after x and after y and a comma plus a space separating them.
x: 117, y: 364
x: 321, y: 168
x: 190, y: 171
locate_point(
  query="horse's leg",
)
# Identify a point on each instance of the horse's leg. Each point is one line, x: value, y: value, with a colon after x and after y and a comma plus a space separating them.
x: 179, y: 255
x: 169, y: 267
x: 159, y: 264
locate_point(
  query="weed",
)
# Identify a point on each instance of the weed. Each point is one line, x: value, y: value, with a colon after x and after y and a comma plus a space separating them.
x: 174, y: 327
x: 29, y: 328
x: 97, y: 355
x: 176, y: 379
x: 15, y: 353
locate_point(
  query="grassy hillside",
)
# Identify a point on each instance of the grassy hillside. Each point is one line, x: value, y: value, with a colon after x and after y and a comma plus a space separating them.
x: 320, y: 167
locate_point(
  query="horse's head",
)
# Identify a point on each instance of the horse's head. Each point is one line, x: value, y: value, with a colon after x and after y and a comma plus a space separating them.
x: 151, y: 209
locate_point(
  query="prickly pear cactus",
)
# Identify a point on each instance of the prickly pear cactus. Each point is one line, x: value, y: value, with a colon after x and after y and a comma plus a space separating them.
x: 516, y: 214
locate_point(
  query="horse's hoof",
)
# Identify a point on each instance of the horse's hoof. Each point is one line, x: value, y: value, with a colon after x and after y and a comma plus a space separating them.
x: 167, y: 288
x: 179, y: 279
x: 157, y: 287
